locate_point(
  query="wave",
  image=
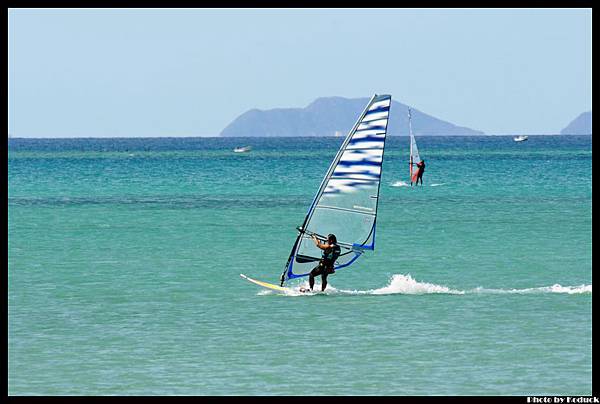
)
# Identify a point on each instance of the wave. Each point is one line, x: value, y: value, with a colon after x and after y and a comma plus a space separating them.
x: 556, y: 288
x: 399, y: 284
x: 407, y: 285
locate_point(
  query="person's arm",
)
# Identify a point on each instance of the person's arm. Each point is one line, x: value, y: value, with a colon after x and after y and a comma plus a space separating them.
x: 318, y: 244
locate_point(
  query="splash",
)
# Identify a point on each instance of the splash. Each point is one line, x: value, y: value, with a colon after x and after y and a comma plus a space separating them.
x: 571, y: 289
x: 400, y: 184
x: 405, y: 284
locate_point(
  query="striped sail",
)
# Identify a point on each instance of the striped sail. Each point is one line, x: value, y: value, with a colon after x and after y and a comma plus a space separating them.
x: 346, y: 202
x: 414, y: 152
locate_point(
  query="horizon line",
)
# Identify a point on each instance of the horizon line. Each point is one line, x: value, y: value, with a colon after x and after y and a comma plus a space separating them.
x: 279, y: 137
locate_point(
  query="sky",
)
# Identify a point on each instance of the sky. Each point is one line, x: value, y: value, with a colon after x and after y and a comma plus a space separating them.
x: 190, y: 72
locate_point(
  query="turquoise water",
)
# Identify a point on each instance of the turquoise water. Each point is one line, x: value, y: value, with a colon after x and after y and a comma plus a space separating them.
x: 125, y: 255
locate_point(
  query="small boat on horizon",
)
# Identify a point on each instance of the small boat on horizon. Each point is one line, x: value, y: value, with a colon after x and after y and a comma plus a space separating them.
x: 243, y: 149
x: 520, y: 138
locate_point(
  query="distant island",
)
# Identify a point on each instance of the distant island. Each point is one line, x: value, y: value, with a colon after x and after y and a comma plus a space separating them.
x: 335, y: 116
x: 582, y: 125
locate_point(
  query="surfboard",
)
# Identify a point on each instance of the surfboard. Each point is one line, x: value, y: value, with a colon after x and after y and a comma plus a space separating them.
x: 266, y: 284
x: 271, y: 286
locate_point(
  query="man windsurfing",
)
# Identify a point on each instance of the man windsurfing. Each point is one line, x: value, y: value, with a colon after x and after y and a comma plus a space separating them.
x: 420, y: 171
x: 331, y: 251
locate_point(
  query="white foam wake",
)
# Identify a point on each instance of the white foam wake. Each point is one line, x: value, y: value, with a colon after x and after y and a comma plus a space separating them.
x: 405, y: 284
x: 556, y: 288
x: 400, y: 184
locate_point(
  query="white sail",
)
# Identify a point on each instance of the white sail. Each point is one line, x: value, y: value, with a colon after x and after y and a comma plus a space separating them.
x: 346, y: 202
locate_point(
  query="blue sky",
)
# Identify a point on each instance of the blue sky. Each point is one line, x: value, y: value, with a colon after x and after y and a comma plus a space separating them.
x: 189, y: 72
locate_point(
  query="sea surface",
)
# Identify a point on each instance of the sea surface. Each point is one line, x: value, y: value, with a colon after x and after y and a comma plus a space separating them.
x: 124, y: 258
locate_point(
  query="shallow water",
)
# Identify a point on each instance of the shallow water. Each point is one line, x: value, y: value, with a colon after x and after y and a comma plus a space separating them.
x: 125, y: 255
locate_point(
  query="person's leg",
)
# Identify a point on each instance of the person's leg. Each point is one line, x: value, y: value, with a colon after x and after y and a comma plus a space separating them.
x: 311, y: 277
x: 324, y: 280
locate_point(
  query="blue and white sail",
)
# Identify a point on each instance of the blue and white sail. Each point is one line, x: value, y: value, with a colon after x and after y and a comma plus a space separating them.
x: 346, y: 202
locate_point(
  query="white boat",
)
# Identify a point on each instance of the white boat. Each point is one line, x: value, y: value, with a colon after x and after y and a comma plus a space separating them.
x: 521, y: 138
x: 243, y: 149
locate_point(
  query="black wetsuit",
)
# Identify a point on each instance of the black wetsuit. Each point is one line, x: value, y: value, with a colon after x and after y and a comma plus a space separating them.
x: 325, y: 266
x: 421, y: 168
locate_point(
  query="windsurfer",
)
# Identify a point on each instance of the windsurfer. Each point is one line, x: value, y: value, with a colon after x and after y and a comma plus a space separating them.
x: 420, y: 171
x: 331, y: 251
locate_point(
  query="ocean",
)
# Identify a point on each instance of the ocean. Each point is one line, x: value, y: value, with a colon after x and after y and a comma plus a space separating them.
x: 124, y: 258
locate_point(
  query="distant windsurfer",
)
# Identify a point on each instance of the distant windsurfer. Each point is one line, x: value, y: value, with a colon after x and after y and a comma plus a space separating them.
x: 331, y: 251
x: 420, y: 171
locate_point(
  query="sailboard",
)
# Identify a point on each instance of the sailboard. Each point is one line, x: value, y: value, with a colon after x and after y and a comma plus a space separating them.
x: 347, y: 199
x: 266, y: 285
x: 414, y: 152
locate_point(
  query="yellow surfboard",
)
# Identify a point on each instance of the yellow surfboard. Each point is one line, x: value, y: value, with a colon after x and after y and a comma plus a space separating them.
x: 272, y: 286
